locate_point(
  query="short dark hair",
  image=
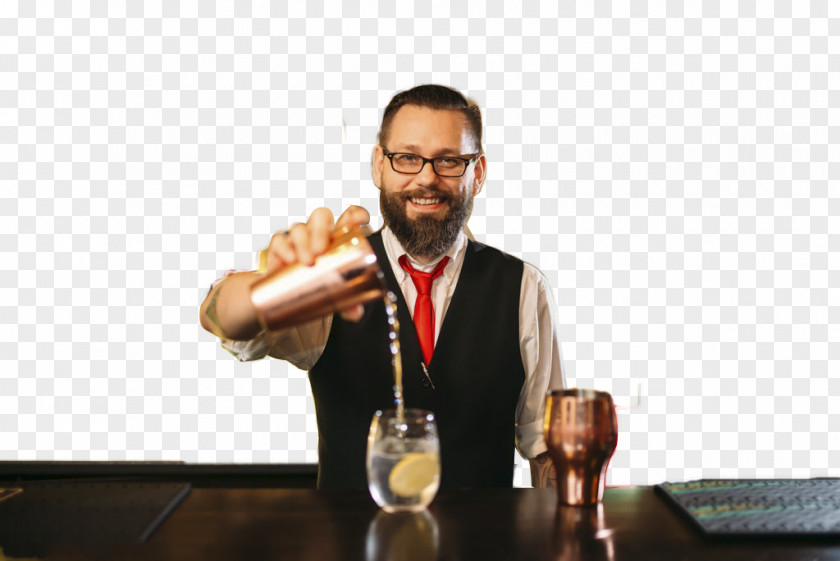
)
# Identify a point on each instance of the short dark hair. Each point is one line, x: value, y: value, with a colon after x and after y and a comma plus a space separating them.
x: 434, y: 96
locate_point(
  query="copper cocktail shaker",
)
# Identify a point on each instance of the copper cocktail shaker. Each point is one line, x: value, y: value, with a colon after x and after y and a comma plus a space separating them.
x: 345, y: 275
x: 581, y: 431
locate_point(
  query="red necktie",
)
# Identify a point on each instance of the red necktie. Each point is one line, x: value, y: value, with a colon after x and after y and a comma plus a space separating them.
x: 424, y: 315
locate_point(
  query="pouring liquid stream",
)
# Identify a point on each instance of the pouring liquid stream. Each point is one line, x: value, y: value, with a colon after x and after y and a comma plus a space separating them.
x: 396, y: 357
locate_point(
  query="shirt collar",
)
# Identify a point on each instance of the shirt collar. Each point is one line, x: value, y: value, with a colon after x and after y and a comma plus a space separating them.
x: 394, y: 249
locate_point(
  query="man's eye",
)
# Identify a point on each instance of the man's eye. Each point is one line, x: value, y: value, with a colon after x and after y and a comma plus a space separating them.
x: 448, y: 162
x: 407, y: 159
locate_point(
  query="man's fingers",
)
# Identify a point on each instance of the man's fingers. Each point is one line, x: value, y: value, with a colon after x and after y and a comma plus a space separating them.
x: 302, y: 243
x: 280, y: 252
x: 299, y: 238
x: 320, y: 224
x: 353, y: 216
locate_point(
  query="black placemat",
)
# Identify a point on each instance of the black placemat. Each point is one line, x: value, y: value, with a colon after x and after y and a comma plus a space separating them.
x: 49, y: 512
x: 760, y: 507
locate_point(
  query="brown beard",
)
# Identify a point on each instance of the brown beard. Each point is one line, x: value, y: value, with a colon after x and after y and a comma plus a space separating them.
x: 425, y: 237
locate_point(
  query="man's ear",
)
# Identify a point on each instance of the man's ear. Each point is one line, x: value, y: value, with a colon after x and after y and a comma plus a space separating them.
x: 480, y: 174
x: 377, y: 161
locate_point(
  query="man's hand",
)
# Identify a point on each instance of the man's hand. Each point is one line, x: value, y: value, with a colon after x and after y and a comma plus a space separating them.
x: 303, y: 243
x: 543, y: 473
x: 227, y: 311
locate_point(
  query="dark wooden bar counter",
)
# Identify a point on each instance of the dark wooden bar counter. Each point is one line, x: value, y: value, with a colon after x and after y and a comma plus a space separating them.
x: 518, y: 524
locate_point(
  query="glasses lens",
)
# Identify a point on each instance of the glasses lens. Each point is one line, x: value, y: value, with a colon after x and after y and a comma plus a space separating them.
x: 450, y: 167
x: 444, y: 166
x: 407, y: 163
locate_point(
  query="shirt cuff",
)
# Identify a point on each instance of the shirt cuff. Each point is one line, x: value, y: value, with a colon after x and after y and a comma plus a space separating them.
x: 253, y: 349
x: 530, y: 441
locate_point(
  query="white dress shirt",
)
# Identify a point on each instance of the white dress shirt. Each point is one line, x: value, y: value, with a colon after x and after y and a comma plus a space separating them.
x: 539, y: 346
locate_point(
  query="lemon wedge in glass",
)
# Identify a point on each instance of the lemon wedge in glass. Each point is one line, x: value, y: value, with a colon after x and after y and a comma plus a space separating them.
x: 413, y: 474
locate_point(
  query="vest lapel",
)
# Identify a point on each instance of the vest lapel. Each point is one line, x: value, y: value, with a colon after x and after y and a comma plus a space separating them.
x: 465, y: 280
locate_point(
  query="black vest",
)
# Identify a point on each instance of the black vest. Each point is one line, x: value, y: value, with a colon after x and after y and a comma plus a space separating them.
x: 476, y: 369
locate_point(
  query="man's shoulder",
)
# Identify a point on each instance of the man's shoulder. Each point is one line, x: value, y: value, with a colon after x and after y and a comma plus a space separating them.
x: 494, y: 263
x: 531, y: 274
x: 491, y: 252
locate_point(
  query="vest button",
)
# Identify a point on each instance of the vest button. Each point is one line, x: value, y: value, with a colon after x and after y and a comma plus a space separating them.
x: 424, y: 382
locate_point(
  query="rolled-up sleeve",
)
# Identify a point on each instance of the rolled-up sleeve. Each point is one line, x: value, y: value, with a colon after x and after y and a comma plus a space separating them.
x: 541, y: 358
x: 302, y: 345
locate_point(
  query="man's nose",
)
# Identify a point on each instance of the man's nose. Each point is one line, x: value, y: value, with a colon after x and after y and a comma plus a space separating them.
x: 427, y: 175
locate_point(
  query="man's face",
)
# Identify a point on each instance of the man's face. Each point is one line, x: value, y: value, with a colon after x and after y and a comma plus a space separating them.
x: 426, y: 211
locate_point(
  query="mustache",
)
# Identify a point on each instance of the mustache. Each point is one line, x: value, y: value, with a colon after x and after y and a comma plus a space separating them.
x: 426, y: 194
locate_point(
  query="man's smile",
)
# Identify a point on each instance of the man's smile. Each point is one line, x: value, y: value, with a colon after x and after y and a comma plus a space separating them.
x: 426, y: 203
x: 425, y: 200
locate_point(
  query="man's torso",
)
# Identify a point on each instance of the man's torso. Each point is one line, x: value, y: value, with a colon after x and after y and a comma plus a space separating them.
x: 476, y: 371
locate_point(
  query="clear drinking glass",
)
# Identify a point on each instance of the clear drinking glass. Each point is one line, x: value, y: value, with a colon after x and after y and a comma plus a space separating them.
x: 403, y: 460
x: 408, y: 536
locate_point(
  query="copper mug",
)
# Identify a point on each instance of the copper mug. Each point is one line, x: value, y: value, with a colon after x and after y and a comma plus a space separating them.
x: 581, y: 431
x: 582, y: 533
x: 347, y: 274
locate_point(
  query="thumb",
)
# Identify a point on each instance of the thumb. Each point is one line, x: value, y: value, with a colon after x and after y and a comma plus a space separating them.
x: 353, y: 216
x: 353, y: 314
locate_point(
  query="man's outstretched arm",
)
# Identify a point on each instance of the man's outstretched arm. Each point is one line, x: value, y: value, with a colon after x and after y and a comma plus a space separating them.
x: 227, y: 311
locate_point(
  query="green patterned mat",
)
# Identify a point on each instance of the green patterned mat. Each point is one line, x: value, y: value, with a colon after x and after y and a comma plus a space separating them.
x: 766, y: 507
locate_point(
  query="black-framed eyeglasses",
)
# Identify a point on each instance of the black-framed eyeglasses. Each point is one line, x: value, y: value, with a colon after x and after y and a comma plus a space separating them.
x: 445, y: 166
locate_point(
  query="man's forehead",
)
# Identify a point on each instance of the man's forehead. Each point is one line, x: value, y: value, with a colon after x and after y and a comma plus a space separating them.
x: 411, y: 109
x: 413, y: 125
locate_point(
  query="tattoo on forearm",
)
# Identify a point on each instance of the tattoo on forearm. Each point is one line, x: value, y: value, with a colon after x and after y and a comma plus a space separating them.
x: 212, y: 313
x: 542, y: 472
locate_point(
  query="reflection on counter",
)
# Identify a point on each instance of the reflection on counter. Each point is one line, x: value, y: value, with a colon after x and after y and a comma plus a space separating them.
x: 4, y: 557
x: 581, y: 533
x: 402, y: 537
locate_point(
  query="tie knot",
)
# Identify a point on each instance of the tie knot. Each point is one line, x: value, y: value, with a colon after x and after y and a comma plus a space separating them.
x: 423, y: 281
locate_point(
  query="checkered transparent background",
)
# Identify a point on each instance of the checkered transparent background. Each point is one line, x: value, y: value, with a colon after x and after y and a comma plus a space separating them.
x: 672, y: 169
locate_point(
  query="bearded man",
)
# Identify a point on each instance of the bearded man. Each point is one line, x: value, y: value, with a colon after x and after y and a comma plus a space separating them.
x: 491, y: 354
